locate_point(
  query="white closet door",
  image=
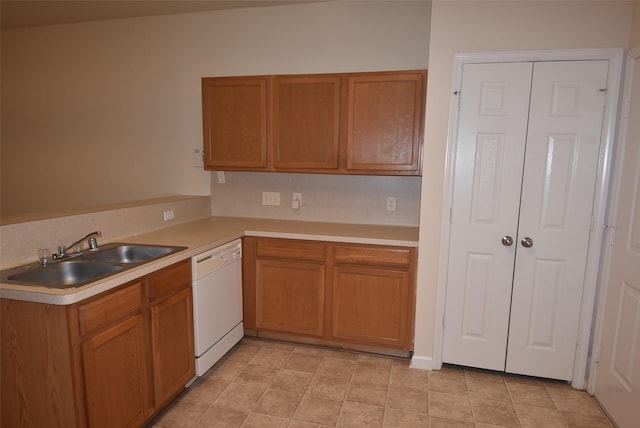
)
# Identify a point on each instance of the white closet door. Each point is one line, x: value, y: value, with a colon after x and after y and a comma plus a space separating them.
x: 489, y: 161
x: 618, y: 372
x: 563, y: 141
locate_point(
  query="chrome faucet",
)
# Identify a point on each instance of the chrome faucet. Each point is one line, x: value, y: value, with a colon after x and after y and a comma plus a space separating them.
x: 91, y: 239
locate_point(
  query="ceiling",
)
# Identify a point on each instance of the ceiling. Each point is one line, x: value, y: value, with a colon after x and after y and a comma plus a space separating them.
x: 28, y: 13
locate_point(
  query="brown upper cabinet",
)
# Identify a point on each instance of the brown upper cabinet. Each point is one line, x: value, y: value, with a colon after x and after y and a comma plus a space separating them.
x: 346, y: 123
x: 235, y: 122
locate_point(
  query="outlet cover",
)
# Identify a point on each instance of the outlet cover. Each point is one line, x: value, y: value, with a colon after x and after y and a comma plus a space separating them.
x: 168, y: 215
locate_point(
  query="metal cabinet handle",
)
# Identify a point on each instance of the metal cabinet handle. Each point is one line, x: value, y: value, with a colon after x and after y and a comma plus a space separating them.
x: 507, y: 241
x: 527, y: 242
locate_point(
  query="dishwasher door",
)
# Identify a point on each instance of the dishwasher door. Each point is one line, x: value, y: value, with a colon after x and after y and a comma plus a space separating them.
x: 217, y: 301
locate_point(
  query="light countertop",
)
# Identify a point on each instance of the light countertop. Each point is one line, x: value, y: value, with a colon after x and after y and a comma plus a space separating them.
x: 205, y: 234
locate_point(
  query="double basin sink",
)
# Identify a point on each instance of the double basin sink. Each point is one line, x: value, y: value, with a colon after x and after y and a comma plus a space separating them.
x: 90, y: 265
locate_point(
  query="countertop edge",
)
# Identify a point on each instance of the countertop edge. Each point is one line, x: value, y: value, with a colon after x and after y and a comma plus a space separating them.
x: 234, y: 228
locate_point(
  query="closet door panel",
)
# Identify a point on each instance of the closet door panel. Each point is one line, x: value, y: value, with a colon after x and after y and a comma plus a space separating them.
x: 489, y: 160
x: 563, y: 143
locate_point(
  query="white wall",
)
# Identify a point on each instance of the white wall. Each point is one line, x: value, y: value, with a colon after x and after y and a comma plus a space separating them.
x: 110, y: 111
x: 470, y: 26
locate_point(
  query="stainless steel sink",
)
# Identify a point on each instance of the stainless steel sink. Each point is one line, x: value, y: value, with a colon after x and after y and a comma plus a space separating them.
x: 64, y: 274
x: 129, y: 253
x: 91, y: 265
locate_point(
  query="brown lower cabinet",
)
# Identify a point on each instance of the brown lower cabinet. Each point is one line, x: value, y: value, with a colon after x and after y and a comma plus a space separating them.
x: 350, y: 295
x: 113, y: 360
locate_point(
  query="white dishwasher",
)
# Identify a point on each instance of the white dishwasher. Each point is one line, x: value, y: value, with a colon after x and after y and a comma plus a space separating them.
x: 217, y: 303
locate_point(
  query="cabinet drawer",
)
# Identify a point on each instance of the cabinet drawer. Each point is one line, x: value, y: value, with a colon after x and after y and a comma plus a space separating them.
x: 291, y: 249
x: 169, y: 280
x: 102, y: 311
x: 371, y: 255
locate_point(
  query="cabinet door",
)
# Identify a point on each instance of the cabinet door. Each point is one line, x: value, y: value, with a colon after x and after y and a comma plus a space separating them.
x: 172, y: 345
x: 290, y: 296
x: 234, y: 117
x: 384, y: 117
x: 371, y: 305
x: 116, y: 375
x: 306, y: 114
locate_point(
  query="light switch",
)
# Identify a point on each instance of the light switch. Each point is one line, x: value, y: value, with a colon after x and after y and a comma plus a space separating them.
x: 271, y: 198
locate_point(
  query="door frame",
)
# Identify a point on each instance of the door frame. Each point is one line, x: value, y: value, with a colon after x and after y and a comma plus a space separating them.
x: 632, y: 57
x: 615, y: 56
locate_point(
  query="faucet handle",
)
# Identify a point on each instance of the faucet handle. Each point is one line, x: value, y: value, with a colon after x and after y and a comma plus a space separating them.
x: 93, y: 243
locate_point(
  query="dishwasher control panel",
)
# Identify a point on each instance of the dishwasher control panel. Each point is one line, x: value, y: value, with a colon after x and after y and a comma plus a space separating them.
x: 216, y: 258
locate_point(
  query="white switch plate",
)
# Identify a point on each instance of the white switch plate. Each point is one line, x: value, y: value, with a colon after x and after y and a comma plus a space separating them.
x: 391, y: 203
x: 198, y: 158
x: 271, y: 198
x: 221, y: 177
x: 168, y: 215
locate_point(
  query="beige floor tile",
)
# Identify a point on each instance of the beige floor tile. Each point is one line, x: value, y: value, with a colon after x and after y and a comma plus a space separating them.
x: 342, y: 354
x: 372, y: 372
x: 436, y: 422
x: 483, y: 374
x: 310, y: 350
x: 257, y: 420
x: 225, y: 372
x: 357, y: 415
x: 581, y: 420
x: 375, y: 360
x: 333, y: 388
x: 510, y: 378
x: 270, y: 358
x: 539, y: 417
x: 450, y: 384
x: 280, y: 346
x: 402, y: 363
x: 243, y: 352
x: 494, y: 412
x: 205, y: 391
x: 254, y: 341
x: 573, y: 400
x: 239, y: 397
x: 303, y: 362
x: 402, y: 419
x: 414, y: 400
x: 450, y: 406
x: 318, y: 410
x: 531, y: 394
x: 367, y: 393
x: 335, y: 367
x: 219, y: 417
x: 490, y: 388
x: 257, y: 375
x: 302, y: 424
x: 183, y: 414
x: 411, y: 378
x: 292, y: 381
x: 278, y: 403
x: 275, y: 384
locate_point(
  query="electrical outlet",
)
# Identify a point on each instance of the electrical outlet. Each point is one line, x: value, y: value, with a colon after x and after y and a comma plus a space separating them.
x: 296, y: 203
x: 391, y: 203
x: 271, y: 198
x: 168, y: 215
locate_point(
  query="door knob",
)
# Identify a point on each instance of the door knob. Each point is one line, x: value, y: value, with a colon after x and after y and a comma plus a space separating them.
x: 527, y: 242
x: 507, y: 241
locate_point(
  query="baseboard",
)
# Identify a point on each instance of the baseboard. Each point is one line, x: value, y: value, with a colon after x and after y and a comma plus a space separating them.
x: 424, y: 363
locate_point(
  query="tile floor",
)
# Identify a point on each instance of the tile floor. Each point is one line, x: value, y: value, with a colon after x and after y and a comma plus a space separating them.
x: 277, y: 384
